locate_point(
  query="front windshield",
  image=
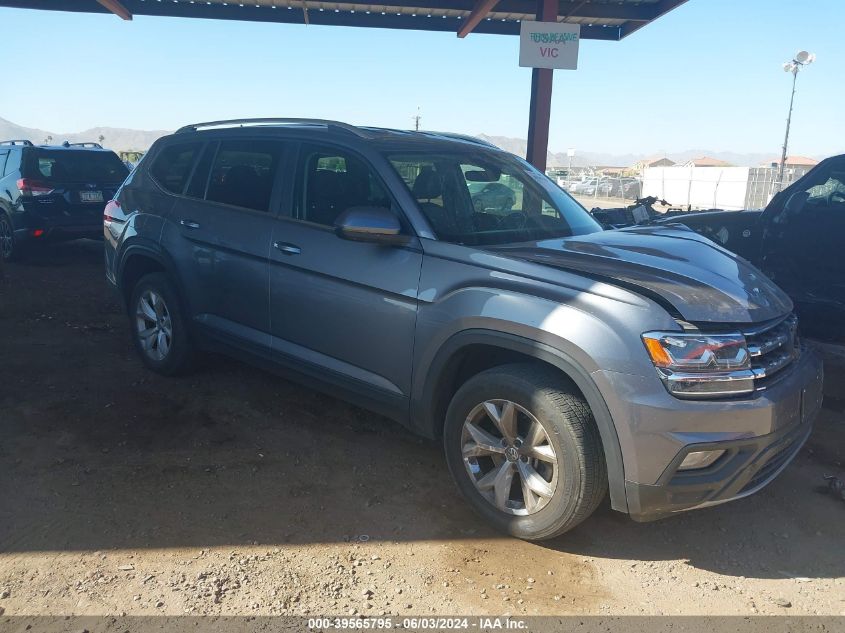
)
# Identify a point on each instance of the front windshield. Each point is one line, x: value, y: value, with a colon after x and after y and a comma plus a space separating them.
x: 478, y: 197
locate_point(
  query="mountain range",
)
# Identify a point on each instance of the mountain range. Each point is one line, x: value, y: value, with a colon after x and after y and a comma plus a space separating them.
x: 594, y: 159
x: 120, y: 139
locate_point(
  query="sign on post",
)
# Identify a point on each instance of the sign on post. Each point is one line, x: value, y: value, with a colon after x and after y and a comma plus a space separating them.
x: 549, y: 45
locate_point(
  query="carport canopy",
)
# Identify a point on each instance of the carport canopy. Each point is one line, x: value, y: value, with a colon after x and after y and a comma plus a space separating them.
x: 599, y: 20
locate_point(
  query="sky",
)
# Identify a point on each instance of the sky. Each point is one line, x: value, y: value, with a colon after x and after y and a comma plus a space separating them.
x: 707, y: 75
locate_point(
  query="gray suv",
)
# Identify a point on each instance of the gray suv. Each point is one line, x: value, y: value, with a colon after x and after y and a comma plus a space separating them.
x: 557, y: 362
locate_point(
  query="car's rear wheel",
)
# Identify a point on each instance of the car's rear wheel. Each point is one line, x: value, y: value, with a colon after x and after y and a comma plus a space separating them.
x: 159, y: 330
x: 10, y: 249
x: 522, y: 446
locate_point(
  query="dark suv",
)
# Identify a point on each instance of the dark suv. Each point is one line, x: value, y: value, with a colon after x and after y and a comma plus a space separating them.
x: 54, y: 192
x: 555, y: 361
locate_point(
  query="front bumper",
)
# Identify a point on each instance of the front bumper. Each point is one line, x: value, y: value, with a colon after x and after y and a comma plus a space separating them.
x: 760, y: 436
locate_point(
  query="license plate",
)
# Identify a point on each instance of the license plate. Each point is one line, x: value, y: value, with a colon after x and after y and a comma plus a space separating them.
x: 90, y: 196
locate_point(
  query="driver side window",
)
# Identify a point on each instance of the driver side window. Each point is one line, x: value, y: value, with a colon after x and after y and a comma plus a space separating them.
x: 830, y: 188
x: 331, y: 181
x: 822, y: 191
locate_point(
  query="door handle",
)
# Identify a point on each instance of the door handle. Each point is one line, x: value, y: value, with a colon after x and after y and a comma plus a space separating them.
x: 189, y: 224
x: 287, y: 249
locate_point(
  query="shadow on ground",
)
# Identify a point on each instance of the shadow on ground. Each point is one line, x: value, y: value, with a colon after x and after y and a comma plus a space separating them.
x: 98, y: 453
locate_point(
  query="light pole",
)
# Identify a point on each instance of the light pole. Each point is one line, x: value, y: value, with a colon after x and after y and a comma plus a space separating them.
x: 802, y: 59
x: 570, y: 152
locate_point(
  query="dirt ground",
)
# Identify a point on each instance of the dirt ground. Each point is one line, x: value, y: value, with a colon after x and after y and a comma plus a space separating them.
x: 232, y: 491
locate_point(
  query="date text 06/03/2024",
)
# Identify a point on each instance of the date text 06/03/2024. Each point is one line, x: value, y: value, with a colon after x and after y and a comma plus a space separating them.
x: 486, y: 623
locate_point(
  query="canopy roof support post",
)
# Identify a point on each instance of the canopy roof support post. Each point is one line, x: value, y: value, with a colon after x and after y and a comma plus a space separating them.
x: 540, y: 110
x: 117, y: 8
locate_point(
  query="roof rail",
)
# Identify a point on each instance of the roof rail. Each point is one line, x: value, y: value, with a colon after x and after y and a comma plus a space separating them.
x: 17, y: 142
x: 462, y: 137
x: 346, y: 127
x: 86, y: 144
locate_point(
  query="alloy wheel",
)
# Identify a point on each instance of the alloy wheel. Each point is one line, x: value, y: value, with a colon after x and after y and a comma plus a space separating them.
x: 154, y: 327
x: 509, y: 458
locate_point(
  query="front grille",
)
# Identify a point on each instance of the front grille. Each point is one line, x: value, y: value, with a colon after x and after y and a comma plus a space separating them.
x: 772, y: 350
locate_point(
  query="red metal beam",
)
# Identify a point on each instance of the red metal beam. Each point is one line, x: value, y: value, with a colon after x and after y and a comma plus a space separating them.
x: 540, y: 110
x: 479, y: 12
x: 118, y: 9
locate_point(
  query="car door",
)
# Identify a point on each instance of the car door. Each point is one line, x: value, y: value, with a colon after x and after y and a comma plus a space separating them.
x: 219, y: 231
x: 802, y: 243
x: 343, y: 310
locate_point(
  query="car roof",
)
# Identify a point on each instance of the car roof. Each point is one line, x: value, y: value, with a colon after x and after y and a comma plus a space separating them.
x: 312, y: 129
x: 71, y: 148
x: 67, y: 145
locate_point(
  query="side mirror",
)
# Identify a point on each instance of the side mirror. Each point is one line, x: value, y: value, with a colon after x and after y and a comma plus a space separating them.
x: 795, y: 204
x: 370, y: 224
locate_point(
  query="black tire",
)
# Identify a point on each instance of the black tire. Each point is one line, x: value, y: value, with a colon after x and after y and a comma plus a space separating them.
x: 180, y: 353
x: 581, y: 478
x: 12, y: 250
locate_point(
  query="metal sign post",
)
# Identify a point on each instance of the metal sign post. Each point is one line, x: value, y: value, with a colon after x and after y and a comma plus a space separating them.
x: 545, y: 45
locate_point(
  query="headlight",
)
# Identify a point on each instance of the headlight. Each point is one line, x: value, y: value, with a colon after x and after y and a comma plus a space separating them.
x: 701, y: 365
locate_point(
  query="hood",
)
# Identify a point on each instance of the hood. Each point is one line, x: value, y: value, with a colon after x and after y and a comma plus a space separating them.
x: 700, y: 280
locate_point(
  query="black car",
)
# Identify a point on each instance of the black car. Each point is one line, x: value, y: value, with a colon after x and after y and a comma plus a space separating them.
x: 50, y: 193
x: 797, y: 240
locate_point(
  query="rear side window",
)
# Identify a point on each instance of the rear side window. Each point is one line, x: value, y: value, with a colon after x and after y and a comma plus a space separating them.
x: 3, y: 157
x: 76, y: 166
x: 243, y: 173
x: 172, y: 166
x: 199, y: 181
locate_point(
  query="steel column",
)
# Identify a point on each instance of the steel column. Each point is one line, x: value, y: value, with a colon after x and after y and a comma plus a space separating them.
x: 118, y: 9
x: 480, y: 11
x: 540, y: 110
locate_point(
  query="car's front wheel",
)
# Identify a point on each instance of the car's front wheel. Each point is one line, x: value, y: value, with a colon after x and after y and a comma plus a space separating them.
x: 522, y: 446
x: 159, y: 329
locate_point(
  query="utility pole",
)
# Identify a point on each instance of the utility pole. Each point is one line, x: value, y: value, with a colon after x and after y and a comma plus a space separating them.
x: 788, y: 124
x: 802, y: 59
x: 416, y: 119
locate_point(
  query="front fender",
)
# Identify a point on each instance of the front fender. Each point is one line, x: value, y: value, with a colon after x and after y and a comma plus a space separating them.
x: 423, y: 414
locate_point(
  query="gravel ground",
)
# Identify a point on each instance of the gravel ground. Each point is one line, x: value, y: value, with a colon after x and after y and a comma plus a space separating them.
x: 232, y: 491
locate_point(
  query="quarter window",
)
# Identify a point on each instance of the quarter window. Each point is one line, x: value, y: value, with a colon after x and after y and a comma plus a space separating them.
x: 173, y: 166
x: 243, y: 174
